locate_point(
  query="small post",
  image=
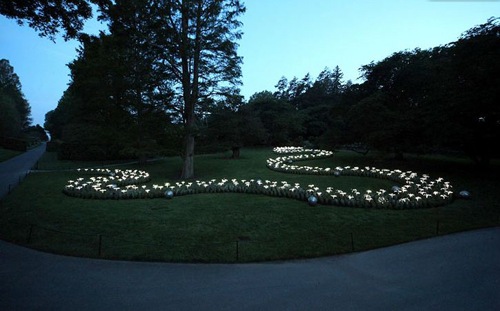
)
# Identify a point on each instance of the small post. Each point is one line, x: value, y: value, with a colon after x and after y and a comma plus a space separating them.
x: 352, y: 242
x: 237, y: 250
x: 100, y: 245
x: 28, y: 240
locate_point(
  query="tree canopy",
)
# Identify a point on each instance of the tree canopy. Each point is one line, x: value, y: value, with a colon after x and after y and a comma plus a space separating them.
x: 110, y: 106
x: 162, y: 60
x: 15, y: 110
x: 200, y: 55
x: 50, y: 17
x: 168, y: 73
x: 443, y: 99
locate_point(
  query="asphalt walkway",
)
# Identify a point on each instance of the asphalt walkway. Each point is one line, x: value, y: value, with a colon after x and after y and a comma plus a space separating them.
x: 453, y: 272
x: 14, y: 170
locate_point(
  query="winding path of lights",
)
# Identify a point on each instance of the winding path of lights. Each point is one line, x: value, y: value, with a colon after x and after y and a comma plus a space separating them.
x: 416, y: 191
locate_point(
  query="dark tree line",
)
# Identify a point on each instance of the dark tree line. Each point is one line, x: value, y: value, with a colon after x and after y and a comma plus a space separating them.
x: 167, y: 73
x: 110, y: 110
x: 444, y: 99
x: 15, y: 116
x: 16, y: 131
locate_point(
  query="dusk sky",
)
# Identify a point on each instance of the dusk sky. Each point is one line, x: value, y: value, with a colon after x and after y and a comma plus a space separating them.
x: 281, y: 38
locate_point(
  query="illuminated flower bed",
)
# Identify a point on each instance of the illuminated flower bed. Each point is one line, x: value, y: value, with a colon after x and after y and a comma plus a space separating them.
x: 413, y: 190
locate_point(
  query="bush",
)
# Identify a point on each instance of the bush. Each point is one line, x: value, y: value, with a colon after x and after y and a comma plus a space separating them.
x: 14, y: 144
x: 85, y: 152
x: 53, y: 145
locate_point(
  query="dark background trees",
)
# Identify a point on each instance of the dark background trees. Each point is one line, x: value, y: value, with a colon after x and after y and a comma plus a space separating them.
x: 15, y: 114
x: 16, y: 131
x: 476, y: 66
x: 168, y: 72
x: 441, y: 99
x: 230, y: 125
x: 281, y: 121
x: 444, y: 99
x: 436, y: 100
x: 112, y: 107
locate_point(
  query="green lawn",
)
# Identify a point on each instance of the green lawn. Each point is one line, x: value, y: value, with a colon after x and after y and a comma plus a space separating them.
x: 238, y: 227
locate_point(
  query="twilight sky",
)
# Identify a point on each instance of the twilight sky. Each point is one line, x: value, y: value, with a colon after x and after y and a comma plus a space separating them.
x: 281, y: 38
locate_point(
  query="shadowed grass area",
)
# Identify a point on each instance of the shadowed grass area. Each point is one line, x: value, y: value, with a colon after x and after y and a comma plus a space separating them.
x: 237, y: 227
x: 6, y: 154
x: 49, y: 161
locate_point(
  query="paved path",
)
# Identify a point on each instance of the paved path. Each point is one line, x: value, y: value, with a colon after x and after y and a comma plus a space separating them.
x: 454, y: 272
x: 15, y: 169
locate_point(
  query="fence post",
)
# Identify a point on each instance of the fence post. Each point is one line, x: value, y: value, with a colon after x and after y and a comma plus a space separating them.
x: 28, y: 240
x: 100, y: 245
x: 352, y: 242
x: 237, y: 250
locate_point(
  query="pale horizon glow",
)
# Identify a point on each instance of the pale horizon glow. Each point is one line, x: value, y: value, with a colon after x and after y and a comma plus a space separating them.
x: 281, y: 38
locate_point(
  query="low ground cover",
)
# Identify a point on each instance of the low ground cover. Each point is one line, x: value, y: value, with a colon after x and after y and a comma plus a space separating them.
x: 238, y: 227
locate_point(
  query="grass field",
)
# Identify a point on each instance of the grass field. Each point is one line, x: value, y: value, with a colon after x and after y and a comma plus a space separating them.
x: 238, y: 227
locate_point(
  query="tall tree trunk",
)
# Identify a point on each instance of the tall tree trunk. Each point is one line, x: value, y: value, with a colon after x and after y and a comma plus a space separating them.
x: 188, y: 157
x: 190, y: 86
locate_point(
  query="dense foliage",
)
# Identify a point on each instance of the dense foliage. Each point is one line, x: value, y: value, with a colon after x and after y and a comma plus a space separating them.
x: 129, y: 93
x: 443, y: 99
x: 15, y: 110
x: 49, y: 17
x: 146, y: 86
